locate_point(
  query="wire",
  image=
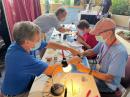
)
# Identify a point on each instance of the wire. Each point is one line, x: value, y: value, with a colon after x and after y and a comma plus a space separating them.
x: 63, y: 55
x: 72, y: 86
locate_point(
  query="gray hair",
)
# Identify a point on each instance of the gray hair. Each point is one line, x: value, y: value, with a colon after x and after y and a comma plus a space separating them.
x: 60, y: 11
x: 24, y: 30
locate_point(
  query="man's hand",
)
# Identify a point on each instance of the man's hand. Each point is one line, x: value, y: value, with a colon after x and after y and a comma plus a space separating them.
x: 74, y: 52
x: 75, y: 60
x: 53, y: 69
x: 80, y: 40
x: 62, y: 29
x: 78, y: 34
x: 88, y: 53
x: 67, y: 30
x: 82, y: 54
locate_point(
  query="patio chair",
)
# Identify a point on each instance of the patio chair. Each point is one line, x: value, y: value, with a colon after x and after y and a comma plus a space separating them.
x: 125, y: 82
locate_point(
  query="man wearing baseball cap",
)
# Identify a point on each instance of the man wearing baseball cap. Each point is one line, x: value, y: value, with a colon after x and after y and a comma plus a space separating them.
x: 112, y: 57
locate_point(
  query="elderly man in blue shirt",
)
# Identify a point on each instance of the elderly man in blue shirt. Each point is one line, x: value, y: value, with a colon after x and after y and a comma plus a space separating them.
x: 21, y: 67
x: 112, y: 57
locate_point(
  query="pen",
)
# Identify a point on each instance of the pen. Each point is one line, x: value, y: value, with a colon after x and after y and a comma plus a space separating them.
x: 88, y: 93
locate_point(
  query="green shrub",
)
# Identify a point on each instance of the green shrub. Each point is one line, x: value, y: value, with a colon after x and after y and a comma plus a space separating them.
x: 56, y: 1
x: 120, y: 7
x: 67, y: 2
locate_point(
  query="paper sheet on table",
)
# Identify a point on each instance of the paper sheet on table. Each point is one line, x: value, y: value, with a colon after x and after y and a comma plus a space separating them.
x: 75, y: 44
x: 37, y: 87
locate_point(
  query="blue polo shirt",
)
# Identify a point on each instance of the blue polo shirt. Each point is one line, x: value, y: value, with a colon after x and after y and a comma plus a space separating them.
x: 113, y: 63
x: 20, y: 70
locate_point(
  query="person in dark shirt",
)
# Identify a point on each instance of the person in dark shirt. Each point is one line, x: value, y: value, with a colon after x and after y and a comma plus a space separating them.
x: 106, y: 4
x: 104, y: 10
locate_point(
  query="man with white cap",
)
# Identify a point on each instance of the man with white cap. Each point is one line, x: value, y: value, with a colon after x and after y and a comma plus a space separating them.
x: 112, y: 57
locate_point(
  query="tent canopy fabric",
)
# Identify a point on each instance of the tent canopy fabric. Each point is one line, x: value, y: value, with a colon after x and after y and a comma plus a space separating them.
x: 21, y: 10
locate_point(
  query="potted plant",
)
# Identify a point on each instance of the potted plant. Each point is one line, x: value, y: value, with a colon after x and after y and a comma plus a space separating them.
x: 125, y: 35
x: 120, y: 11
x: 56, y: 1
x: 120, y: 7
x: 67, y: 2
